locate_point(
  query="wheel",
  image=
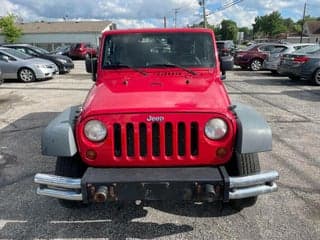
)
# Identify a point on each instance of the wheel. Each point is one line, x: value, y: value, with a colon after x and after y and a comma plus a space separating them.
x: 275, y: 72
x: 26, y: 75
x: 70, y: 167
x: 316, y: 77
x: 293, y: 77
x: 256, y: 65
x: 243, y: 165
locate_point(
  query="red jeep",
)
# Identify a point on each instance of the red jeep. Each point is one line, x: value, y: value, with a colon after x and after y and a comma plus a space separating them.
x: 157, y: 125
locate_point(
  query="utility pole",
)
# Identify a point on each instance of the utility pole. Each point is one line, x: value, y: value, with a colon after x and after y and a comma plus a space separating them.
x: 203, y: 4
x: 304, y: 15
x: 165, y: 22
x: 176, y: 10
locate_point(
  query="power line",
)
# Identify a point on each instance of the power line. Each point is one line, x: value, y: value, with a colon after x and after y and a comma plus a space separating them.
x: 226, y: 5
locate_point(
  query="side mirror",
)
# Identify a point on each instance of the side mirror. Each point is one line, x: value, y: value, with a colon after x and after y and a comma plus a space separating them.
x: 91, y: 67
x: 6, y: 58
x: 226, y: 63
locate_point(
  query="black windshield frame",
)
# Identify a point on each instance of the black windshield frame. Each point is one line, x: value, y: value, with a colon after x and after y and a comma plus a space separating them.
x: 146, y: 50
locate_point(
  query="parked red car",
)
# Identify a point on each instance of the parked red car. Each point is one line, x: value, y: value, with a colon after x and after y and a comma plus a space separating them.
x: 82, y: 51
x: 253, y: 56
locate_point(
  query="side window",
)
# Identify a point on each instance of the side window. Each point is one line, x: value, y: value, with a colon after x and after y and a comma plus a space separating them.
x: 4, y: 57
x: 30, y: 52
x: 267, y: 48
x: 21, y: 50
x: 278, y: 49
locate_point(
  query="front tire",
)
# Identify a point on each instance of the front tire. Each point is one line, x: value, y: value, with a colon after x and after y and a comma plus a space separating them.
x: 256, y: 64
x: 70, y: 167
x: 243, y: 165
x: 26, y: 75
x: 316, y: 77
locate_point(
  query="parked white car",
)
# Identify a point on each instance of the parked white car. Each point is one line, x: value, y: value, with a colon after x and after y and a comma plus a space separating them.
x: 21, y: 66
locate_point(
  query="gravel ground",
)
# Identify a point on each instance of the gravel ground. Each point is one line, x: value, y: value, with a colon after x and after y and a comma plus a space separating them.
x: 291, y: 108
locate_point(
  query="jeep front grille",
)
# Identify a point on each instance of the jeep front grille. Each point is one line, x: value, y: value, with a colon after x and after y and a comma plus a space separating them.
x: 165, y: 139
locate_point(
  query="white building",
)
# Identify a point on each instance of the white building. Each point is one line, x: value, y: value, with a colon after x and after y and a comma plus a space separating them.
x: 49, y: 35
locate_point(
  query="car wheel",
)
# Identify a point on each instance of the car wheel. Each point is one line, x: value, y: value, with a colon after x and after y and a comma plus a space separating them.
x: 275, y: 72
x: 316, y: 77
x: 243, y: 165
x: 256, y: 65
x: 26, y: 75
x: 70, y: 167
x: 293, y: 77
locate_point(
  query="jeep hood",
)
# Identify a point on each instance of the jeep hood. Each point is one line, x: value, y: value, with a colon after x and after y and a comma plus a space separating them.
x: 157, y: 92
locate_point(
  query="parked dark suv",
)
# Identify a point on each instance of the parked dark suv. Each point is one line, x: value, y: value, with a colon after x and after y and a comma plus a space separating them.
x: 225, y: 51
x: 226, y: 47
x: 64, y: 63
x: 82, y: 51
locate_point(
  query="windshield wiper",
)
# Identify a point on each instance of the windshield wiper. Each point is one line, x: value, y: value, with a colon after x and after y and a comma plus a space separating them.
x: 121, y: 65
x: 173, y: 65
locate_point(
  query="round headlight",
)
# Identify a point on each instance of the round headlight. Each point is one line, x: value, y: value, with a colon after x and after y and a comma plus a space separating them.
x: 216, y: 128
x: 95, y: 130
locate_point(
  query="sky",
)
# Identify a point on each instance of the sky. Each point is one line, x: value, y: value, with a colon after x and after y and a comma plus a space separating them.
x: 150, y: 13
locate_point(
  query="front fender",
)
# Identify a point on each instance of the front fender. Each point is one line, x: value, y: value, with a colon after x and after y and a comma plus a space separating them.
x: 58, y: 137
x: 253, y: 134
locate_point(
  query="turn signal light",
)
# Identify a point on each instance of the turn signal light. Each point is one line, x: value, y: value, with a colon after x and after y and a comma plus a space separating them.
x: 221, y: 152
x: 91, y: 154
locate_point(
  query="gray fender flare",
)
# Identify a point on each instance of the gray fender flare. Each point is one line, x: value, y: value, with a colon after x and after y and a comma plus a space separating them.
x: 253, y: 134
x: 58, y: 137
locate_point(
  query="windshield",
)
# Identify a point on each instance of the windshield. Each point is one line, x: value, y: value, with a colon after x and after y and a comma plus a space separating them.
x: 39, y: 50
x: 145, y: 50
x: 309, y: 50
x: 16, y: 53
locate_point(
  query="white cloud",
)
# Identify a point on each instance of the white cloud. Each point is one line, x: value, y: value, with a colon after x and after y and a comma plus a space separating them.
x: 147, y: 13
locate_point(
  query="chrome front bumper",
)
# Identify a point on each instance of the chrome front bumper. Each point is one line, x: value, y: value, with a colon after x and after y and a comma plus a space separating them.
x: 237, y: 187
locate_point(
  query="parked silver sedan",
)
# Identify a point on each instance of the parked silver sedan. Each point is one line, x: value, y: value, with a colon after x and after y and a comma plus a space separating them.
x: 272, y: 62
x: 21, y: 66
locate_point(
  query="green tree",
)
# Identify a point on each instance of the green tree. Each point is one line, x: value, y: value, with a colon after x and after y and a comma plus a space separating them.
x: 229, y: 30
x: 269, y: 25
x: 11, y: 32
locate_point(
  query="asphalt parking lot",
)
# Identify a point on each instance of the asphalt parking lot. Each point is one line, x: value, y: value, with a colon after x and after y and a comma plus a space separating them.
x: 291, y: 108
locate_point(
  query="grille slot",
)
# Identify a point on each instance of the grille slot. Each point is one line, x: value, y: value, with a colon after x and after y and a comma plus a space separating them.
x: 155, y: 139
x: 194, y: 139
x: 130, y: 140
x: 169, y: 139
x: 181, y: 139
x: 117, y: 139
x: 165, y: 139
x: 143, y: 139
